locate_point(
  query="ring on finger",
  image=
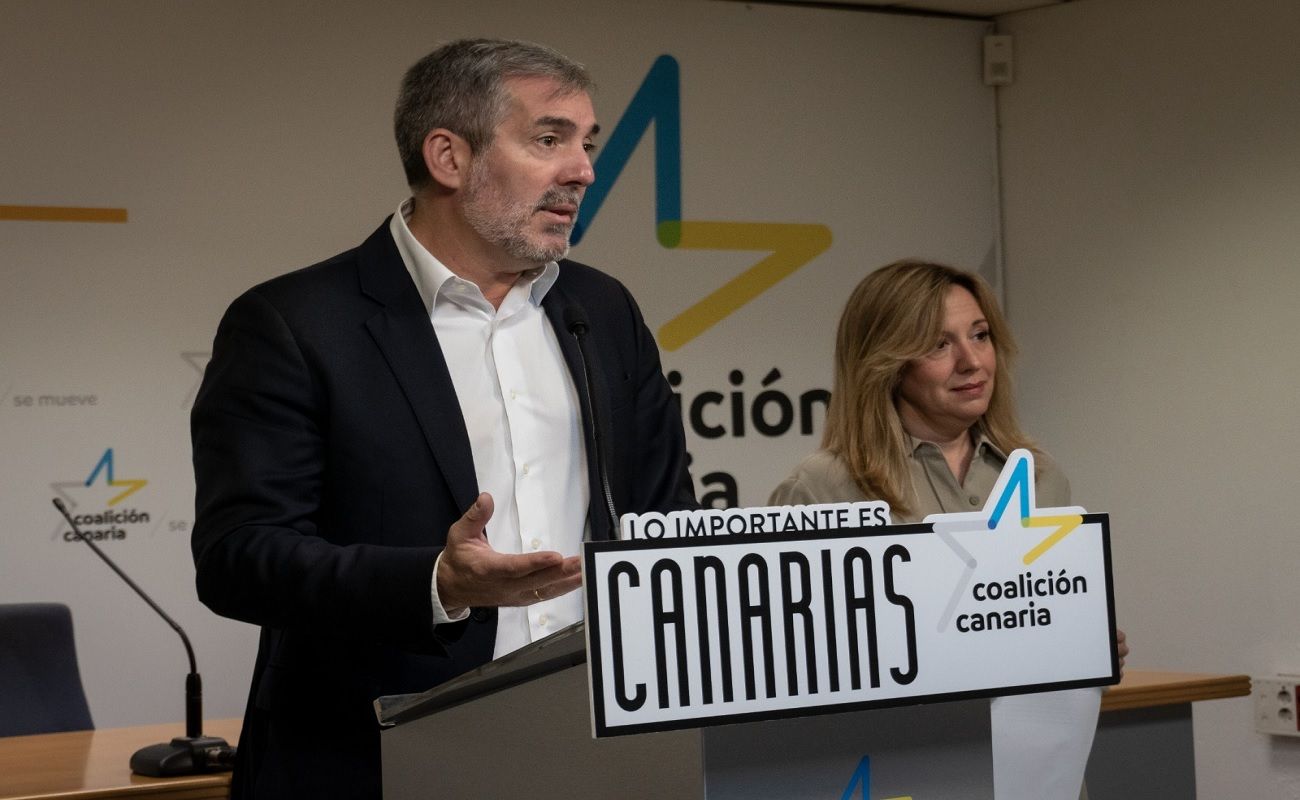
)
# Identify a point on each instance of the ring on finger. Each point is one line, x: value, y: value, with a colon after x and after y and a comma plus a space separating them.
x: 538, y: 594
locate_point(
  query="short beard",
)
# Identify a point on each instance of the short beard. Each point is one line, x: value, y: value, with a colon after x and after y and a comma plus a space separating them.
x: 504, y: 222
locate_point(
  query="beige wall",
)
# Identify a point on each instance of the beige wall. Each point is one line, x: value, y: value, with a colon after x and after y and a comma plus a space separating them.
x: 1151, y: 183
x: 1151, y: 193
x: 246, y: 138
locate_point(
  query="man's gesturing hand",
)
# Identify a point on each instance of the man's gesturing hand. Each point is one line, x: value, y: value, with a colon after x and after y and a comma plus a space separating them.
x: 471, y: 573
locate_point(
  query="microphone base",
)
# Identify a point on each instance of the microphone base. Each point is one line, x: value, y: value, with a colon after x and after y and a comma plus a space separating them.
x: 184, y: 756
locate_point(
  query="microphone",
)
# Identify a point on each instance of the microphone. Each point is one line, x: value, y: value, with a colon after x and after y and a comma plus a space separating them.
x: 575, y: 319
x: 192, y: 753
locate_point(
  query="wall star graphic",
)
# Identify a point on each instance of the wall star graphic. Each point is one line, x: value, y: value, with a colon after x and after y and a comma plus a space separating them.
x: 788, y: 245
x: 94, y: 493
x: 16, y: 213
x: 105, y: 465
x: 198, y: 361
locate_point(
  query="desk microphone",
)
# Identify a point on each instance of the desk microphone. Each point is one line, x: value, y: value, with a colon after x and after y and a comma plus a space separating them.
x: 575, y: 319
x: 192, y: 753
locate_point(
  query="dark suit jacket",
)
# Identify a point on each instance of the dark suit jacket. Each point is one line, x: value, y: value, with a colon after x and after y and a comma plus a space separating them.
x: 330, y: 459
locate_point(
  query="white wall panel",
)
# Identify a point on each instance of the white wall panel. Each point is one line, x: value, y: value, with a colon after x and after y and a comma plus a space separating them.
x: 1151, y: 191
x: 246, y: 138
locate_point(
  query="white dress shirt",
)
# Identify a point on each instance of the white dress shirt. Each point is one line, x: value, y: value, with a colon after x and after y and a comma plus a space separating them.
x: 521, y: 411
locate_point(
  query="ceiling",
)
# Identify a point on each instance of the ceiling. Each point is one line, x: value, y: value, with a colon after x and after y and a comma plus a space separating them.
x: 971, y: 8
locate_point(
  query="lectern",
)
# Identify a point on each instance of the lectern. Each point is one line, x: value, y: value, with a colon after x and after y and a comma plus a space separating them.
x: 794, y: 652
x: 520, y: 727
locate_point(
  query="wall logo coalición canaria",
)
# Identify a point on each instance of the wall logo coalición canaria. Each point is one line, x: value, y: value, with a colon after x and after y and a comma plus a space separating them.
x: 96, y: 503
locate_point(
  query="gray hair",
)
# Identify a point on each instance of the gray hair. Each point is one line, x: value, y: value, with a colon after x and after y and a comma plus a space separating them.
x: 460, y: 86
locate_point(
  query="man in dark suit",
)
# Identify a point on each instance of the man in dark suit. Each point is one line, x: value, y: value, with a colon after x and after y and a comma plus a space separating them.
x: 394, y: 450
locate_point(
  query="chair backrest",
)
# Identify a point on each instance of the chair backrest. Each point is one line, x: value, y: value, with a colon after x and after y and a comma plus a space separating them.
x: 40, y: 684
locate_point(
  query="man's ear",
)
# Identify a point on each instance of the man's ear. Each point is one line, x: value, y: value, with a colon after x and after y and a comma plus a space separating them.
x: 447, y: 157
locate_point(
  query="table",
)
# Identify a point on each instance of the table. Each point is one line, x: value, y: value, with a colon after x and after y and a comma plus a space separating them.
x: 91, y: 765
x: 1144, y: 745
x: 1146, y: 689
x: 1144, y: 740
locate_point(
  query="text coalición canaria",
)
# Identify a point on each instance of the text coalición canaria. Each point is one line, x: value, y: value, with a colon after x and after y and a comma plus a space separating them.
x: 758, y: 520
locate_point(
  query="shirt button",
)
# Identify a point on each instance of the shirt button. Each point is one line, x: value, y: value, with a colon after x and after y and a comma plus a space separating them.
x: 513, y: 394
x: 525, y: 469
x: 543, y: 619
x: 535, y: 543
x: 974, y: 500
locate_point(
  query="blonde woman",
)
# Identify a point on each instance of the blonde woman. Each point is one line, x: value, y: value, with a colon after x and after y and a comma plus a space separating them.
x: 921, y: 413
x: 921, y: 416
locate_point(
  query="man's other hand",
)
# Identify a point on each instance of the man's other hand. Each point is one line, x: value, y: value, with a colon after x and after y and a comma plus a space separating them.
x: 472, y: 574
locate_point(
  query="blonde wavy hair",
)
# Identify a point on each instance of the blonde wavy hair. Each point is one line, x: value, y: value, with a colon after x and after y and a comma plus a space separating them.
x: 894, y: 317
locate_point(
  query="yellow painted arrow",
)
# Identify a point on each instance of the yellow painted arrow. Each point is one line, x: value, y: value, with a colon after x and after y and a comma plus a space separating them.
x: 61, y: 214
x: 790, y: 246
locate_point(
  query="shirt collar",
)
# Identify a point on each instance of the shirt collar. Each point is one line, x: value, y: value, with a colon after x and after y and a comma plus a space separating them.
x: 982, y: 442
x: 432, y: 277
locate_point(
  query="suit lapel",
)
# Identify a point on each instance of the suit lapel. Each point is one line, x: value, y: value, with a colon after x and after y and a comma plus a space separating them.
x: 404, y: 335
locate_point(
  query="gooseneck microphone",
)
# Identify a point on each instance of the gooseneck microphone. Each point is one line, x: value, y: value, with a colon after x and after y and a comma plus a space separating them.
x: 575, y: 319
x: 192, y: 753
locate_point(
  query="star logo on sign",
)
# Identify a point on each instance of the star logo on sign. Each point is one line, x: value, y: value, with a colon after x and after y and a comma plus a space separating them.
x: 1015, y: 482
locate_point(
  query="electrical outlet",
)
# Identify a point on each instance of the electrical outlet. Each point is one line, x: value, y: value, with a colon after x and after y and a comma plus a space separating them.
x: 998, y: 63
x: 1275, y: 704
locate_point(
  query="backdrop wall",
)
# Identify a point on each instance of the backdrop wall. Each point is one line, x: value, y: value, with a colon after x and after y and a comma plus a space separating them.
x: 243, y: 139
x: 1151, y: 174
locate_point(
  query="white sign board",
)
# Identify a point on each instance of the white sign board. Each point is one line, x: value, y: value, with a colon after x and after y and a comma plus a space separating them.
x: 729, y: 627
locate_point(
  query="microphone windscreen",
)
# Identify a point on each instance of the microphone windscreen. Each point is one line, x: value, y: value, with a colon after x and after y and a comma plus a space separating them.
x: 575, y: 319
